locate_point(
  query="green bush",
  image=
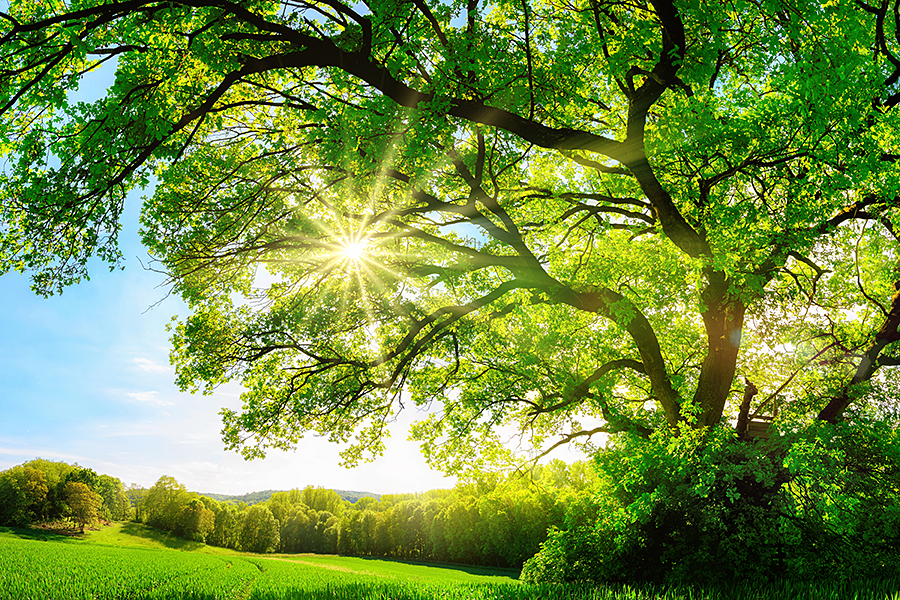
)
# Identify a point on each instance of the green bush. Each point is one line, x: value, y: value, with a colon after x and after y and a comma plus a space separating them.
x: 702, y: 507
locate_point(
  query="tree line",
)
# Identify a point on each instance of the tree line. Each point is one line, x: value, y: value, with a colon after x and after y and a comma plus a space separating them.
x: 497, y: 520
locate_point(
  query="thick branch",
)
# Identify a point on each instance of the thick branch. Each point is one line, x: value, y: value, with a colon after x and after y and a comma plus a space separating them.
x: 744, y: 413
x: 622, y: 311
x: 580, y: 392
x: 888, y: 333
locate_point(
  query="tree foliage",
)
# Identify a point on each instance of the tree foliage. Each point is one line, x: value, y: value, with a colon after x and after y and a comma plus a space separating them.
x: 195, y: 521
x: 320, y: 499
x: 816, y: 505
x: 83, y: 502
x: 84, y: 475
x: 37, y: 491
x: 547, y: 215
x: 163, y: 503
x: 661, y: 220
x: 116, y: 504
x: 259, y: 530
x: 23, y: 491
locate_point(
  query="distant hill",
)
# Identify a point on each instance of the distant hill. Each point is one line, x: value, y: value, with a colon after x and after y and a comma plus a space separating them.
x: 354, y: 496
x: 250, y: 499
x: 257, y: 497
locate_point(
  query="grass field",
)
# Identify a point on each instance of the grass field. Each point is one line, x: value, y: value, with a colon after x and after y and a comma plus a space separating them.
x: 128, y: 561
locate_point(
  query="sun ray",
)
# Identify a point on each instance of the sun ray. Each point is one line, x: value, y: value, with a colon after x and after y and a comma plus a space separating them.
x: 354, y: 249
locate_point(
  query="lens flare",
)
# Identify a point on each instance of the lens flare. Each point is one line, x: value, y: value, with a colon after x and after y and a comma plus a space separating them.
x: 354, y: 250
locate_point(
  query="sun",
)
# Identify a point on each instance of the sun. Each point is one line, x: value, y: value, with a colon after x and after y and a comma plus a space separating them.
x: 354, y: 250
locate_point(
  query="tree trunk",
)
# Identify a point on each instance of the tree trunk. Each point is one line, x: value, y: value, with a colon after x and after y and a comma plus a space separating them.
x: 723, y: 318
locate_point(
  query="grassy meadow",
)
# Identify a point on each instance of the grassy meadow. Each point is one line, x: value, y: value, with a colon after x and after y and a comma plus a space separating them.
x: 129, y: 561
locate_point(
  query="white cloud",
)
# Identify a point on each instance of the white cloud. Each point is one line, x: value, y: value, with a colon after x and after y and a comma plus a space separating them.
x: 145, y: 364
x: 33, y: 453
x: 149, y: 397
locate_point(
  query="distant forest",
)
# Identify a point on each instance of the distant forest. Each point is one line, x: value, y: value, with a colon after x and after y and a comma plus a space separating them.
x: 498, y: 521
x: 252, y: 498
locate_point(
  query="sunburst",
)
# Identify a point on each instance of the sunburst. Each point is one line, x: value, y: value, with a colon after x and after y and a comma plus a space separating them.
x: 355, y: 249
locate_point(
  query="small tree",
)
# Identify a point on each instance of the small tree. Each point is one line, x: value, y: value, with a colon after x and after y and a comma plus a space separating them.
x: 163, y: 503
x: 84, y: 504
x: 115, y: 502
x: 195, y: 521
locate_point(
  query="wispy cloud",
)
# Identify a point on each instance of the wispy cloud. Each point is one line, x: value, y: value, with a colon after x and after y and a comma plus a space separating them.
x: 127, y: 433
x: 145, y: 364
x: 148, y: 397
x: 34, y: 453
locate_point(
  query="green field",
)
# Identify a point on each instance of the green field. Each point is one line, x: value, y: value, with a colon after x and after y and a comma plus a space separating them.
x: 135, y: 562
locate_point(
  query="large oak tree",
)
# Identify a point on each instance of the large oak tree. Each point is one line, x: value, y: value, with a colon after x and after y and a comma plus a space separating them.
x: 564, y: 217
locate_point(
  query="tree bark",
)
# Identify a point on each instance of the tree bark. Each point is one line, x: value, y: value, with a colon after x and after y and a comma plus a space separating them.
x: 723, y: 317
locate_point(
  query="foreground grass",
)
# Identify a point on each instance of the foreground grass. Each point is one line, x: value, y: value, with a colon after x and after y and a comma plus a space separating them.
x: 135, y: 562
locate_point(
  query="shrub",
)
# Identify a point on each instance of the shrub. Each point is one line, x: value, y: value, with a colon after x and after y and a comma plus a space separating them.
x: 701, y: 507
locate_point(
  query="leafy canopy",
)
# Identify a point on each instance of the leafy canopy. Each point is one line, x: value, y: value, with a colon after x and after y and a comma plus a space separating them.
x: 558, y: 217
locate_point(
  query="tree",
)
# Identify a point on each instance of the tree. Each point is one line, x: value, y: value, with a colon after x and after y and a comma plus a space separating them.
x: 350, y: 539
x: 136, y: 494
x: 23, y: 490
x: 295, y: 528
x: 526, y: 213
x: 516, y: 524
x: 115, y: 502
x: 55, y: 474
x: 259, y: 531
x: 163, y: 503
x: 226, y: 532
x: 321, y: 499
x: 84, y: 503
x: 84, y: 475
x: 462, y: 529
x: 364, y: 503
x: 195, y: 521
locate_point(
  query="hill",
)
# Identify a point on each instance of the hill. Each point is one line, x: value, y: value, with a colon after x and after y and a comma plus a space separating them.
x: 354, y: 496
x: 257, y: 497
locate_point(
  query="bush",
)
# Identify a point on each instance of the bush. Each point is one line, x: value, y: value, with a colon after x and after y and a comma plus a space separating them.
x: 702, y: 507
